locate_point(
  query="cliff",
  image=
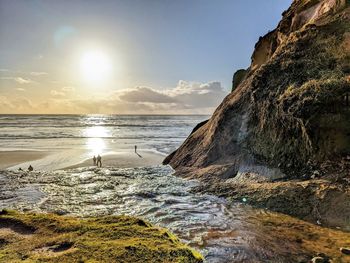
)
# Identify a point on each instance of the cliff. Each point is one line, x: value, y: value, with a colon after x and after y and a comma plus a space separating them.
x: 290, y: 116
x: 292, y: 109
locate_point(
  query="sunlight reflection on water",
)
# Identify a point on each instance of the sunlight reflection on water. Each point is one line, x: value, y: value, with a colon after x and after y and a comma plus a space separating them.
x: 95, y: 142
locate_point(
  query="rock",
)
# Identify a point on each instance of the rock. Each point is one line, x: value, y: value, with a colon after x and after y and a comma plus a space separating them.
x: 103, y: 239
x: 320, y: 259
x: 345, y: 250
x: 288, y: 110
x: 284, y: 111
x: 238, y: 77
x: 315, y: 174
x: 317, y: 260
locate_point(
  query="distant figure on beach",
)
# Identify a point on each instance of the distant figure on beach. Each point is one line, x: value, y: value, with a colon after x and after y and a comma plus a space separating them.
x: 137, y: 152
x: 30, y: 168
x: 99, y: 161
x: 94, y: 160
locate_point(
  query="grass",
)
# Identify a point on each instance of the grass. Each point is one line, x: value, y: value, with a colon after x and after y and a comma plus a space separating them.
x: 32, y: 237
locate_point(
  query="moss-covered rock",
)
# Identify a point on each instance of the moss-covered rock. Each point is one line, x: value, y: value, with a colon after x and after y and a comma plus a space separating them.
x: 292, y: 108
x: 52, y: 238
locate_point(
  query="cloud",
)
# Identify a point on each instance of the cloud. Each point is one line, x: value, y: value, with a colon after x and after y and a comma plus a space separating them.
x: 57, y: 93
x: 198, y: 95
x: 68, y: 89
x: 19, y: 80
x: 20, y: 89
x: 35, y: 73
x: 22, y: 80
x: 184, y: 98
x: 62, y: 92
x: 16, y: 105
x: 145, y: 94
x: 186, y: 94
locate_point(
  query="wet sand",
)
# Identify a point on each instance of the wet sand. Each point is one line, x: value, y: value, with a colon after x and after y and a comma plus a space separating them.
x: 125, y: 160
x: 10, y: 158
x: 46, y: 161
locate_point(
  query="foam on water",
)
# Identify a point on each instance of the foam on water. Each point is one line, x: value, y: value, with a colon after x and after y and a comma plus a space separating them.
x: 222, y: 231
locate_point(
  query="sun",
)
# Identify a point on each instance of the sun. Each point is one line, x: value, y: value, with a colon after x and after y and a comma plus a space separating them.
x: 95, y: 66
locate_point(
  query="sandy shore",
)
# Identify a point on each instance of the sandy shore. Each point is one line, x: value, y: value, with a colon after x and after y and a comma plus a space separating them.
x: 10, y: 158
x: 125, y: 160
x: 46, y: 161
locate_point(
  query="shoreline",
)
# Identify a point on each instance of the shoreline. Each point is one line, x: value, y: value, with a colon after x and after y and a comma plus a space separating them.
x: 16, y: 157
x: 76, y: 158
x: 123, y: 159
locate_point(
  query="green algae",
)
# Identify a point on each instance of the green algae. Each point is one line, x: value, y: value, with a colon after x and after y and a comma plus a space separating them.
x: 32, y: 237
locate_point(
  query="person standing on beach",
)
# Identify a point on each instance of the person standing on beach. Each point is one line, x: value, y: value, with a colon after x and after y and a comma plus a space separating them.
x: 99, y: 161
x: 94, y: 160
x: 135, y: 148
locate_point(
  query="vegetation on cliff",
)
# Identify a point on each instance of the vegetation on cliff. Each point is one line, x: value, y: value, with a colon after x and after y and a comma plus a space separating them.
x: 287, y: 119
x: 291, y: 110
x: 52, y: 238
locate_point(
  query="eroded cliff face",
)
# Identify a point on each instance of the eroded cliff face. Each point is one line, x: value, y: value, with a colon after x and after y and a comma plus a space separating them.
x: 291, y: 113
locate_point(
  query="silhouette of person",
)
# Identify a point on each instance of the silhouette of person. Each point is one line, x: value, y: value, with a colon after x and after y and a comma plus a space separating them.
x: 99, y: 161
x: 30, y: 168
x: 94, y: 159
x: 137, y: 152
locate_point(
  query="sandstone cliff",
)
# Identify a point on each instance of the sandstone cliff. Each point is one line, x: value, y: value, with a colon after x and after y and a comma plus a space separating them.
x: 281, y: 139
x: 291, y: 113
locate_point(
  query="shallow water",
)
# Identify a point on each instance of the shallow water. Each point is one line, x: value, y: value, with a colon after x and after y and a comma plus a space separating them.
x: 223, y: 232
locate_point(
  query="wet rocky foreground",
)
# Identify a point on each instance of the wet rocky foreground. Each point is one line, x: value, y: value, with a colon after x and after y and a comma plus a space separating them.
x: 223, y: 231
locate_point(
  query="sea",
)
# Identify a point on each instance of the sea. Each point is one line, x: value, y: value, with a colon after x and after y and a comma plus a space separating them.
x: 162, y: 133
x: 73, y: 138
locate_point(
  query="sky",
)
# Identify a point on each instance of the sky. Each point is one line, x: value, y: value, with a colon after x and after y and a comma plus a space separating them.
x: 126, y: 56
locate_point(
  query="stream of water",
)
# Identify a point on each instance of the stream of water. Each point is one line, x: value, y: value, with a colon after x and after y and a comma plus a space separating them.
x: 222, y: 231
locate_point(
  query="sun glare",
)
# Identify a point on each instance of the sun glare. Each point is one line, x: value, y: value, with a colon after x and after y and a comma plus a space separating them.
x: 95, y: 66
x: 95, y: 142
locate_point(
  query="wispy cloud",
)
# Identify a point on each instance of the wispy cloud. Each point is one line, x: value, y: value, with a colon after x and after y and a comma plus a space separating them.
x: 68, y: 89
x: 62, y: 92
x: 57, y: 93
x: 19, y: 72
x: 20, y: 89
x: 36, y: 73
x: 19, y: 80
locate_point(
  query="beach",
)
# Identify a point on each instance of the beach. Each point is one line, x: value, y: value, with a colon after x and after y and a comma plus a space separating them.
x: 11, y: 158
x: 54, y: 142
x: 125, y: 160
x: 44, y: 161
